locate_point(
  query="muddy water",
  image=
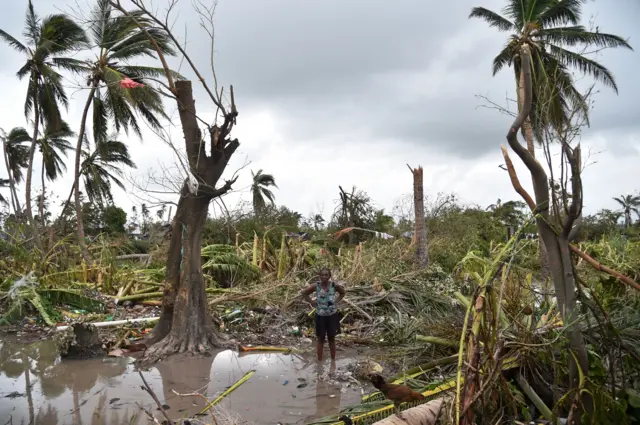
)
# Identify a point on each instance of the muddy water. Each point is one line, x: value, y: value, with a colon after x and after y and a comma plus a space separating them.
x: 37, y: 388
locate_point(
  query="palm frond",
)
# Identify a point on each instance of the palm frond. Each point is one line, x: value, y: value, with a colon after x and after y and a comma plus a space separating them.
x: 504, y: 58
x: 492, y: 18
x: 578, y: 35
x: 100, y: 118
x: 11, y: 41
x: 31, y: 25
x: 514, y: 10
x: 70, y: 64
x: 585, y: 65
x: 64, y: 33
x: 562, y: 12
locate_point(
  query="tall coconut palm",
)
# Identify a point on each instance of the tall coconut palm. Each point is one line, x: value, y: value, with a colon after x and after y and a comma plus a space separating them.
x: 47, y: 40
x: 629, y: 203
x: 118, y: 41
x: 52, y: 145
x: 551, y: 28
x: 16, y: 158
x: 260, y: 190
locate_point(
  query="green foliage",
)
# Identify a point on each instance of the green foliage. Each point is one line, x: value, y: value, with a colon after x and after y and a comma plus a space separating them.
x: 227, y: 268
x: 114, y: 219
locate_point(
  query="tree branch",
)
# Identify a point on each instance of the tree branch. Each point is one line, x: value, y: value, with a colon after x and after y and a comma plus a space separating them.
x: 165, y: 27
x: 225, y: 188
x: 515, y: 181
x: 165, y: 66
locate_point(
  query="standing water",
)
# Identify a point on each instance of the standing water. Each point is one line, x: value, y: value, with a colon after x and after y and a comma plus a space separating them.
x: 36, y: 387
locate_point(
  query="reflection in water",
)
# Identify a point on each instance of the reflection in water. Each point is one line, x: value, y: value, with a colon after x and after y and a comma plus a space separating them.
x: 328, y: 394
x: 106, y: 391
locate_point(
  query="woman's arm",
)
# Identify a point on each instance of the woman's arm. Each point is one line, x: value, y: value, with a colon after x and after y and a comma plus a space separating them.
x: 341, y: 293
x: 306, y: 294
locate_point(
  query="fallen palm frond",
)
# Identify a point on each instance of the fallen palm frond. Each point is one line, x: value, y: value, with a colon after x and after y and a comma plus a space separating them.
x: 228, y: 391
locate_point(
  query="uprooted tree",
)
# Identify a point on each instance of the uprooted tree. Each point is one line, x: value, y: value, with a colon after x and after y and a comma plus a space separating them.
x: 184, y: 324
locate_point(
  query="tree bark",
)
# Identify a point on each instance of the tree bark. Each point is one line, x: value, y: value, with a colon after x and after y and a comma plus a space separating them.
x: 184, y: 324
x: 422, y: 249
x: 76, y: 181
x: 41, y: 206
x: 32, y: 152
x: 527, y: 132
x: 557, y: 244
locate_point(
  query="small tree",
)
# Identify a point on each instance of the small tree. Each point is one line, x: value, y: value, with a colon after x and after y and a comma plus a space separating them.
x: 184, y: 324
x: 114, y: 219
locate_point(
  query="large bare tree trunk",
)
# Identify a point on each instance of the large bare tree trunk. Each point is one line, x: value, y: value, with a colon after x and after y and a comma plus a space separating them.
x: 422, y: 249
x: 32, y: 153
x: 76, y: 176
x: 184, y: 324
x: 557, y: 244
x: 527, y: 132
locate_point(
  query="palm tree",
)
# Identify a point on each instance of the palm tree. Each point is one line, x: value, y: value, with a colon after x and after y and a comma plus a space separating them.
x: 46, y: 41
x: 318, y: 221
x: 16, y: 158
x: 52, y: 144
x: 549, y: 27
x: 144, y: 210
x: 628, y: 203
x: 260, y: 191
x: 119, y: 41
x: 102, y: 167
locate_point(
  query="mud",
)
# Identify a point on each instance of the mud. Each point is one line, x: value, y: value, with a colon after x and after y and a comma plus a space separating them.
x: 37, y: 387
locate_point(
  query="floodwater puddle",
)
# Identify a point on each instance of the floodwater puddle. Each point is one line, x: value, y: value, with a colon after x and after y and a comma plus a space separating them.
x: 36, y: 387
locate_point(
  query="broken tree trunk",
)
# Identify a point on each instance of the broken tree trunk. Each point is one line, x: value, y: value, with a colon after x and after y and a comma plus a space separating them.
x: 184, y: 324
x: 420, y: 237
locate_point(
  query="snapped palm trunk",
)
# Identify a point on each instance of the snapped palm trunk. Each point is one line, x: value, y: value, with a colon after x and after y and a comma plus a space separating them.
x: 422, y: 253
x: 76, y: 182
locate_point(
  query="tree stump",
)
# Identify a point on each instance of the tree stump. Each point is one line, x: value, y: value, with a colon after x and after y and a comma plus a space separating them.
x: 80, y: 341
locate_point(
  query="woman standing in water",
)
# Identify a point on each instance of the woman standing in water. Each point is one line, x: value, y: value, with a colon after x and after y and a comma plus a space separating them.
x: 327, y: 317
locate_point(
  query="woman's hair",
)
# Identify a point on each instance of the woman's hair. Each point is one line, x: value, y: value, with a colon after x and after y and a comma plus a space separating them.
x: 325, y: 269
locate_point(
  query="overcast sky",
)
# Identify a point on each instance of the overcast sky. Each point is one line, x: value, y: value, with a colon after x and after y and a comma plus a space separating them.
x: 347, y: 92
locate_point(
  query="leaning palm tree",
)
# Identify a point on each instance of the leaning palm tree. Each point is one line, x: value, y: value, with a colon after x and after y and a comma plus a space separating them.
x: 629, y: 203
x: 16, y: 158
x: 117, y: 91
x: 551, y: 28
x: 47, y: 40
x: 52, y: 145
x: 260, y: 191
